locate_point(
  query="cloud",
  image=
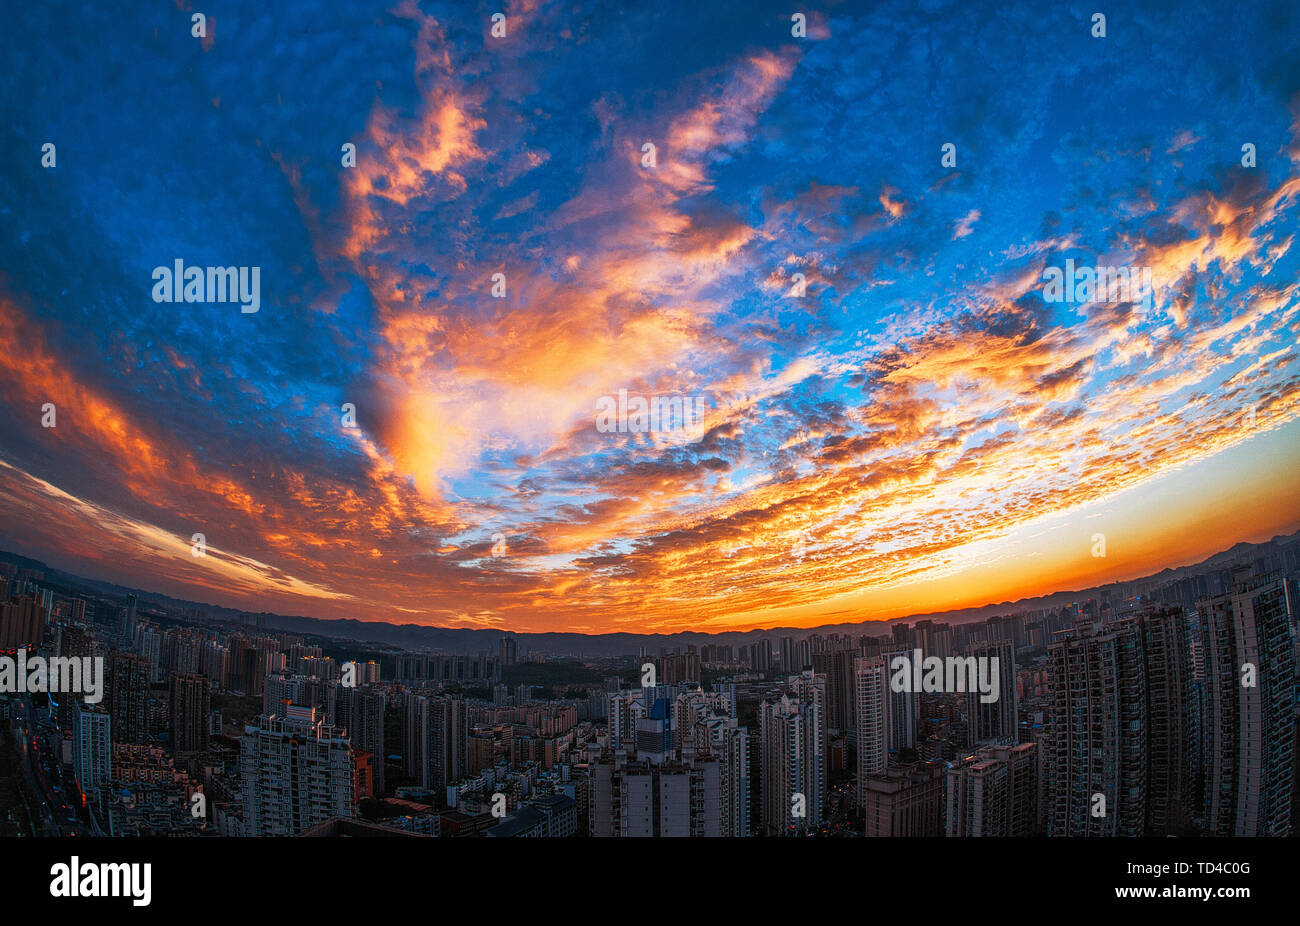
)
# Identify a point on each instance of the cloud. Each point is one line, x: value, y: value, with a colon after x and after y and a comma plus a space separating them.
x: 966, y: 224
x: 910, y: 408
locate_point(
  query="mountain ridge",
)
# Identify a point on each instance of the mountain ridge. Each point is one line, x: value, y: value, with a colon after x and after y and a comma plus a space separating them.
x: 468, y: 640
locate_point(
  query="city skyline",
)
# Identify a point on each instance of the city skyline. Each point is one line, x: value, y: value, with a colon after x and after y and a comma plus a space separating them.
x: 858, y: 287
x: 821, y: 435
x: 1215, y: 563
x: 1172, y: 714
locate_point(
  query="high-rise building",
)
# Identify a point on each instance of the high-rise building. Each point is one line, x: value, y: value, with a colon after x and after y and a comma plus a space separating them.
x: 127, y: 630
x: 252, y: 670
x: 679, y: 668
x: 938, y: 641
x: 1249, y: 722
x: 92, y: 747
x: 361, y: 713
x: 635, y: 797
x: 793, y: 737
x: 72, y: 642
x: 625, y: 709
x: 22, y: 622
x: 300, y: 690
x: 509, y: 650
x: 654, y: 733
x: 437, y: 739
x: 788, y: 657
x: 416, y: 721
x: 841, y: 697
x: 128, y: 696
x: 802, y: 656
x: 873, y: 715
x: 297, y: 771
x: 148, y: 643
x: 1094, y: 740
x: 191, y: 709
x: 1170, y: 722
x: 904, y: 801
x: 994, y: 722
x: 904, y: 707
x: 729, y: 743
x: 993, y: 792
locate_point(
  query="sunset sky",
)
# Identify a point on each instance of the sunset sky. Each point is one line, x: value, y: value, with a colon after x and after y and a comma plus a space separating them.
x: 921, y: 430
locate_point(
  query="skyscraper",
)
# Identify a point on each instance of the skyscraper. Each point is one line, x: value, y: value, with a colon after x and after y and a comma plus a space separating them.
x: 191, y: 708
x: 297, y: 771
x: 838, y: 667
x: 625, y: 708
x: 788, y: 657
x: 509, y: 650
x: 437, y: 739
x: 792, y: 732
x: 76, y: 643
x: 127, y: 630
x: 729, y: 743
x: 993, y: 792
x: 994, y: 721
x: 1169, y: 728
x: 680, y: 667
x: 128, y: 696
x: 1094, y: 757
x: 361, y: 712
x: 22, y: 622
x: 92, y: 747
x: 1249, y: 721
x: 904, y: 707
x: 871, y: 675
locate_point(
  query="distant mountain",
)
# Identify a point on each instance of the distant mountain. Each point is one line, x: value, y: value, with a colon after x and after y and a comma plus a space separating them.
x: 463, y: 640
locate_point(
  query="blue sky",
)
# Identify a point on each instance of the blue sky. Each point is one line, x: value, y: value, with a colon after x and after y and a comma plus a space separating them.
x: 868, y: 441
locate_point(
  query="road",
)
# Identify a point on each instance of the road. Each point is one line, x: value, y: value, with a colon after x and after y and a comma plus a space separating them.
x: 39, y: 743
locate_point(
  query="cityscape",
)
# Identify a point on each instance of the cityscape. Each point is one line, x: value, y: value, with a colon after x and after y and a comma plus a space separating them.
x: 440, y: 422
x: 1153, y: 708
